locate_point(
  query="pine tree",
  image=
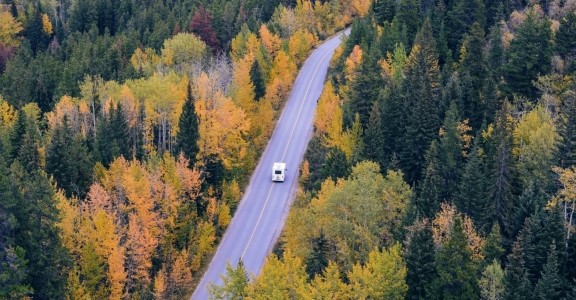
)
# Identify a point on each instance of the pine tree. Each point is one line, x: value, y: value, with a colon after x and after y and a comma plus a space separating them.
x: 456, y: 271
x: 550, y: 284
x: 427, y: 201
x: 17, y: 134
x: 374, y: 138
x: 188, y: 135
x: 119, y: 129
x: 408, y: 15
x: 502, y: 177
x: 336, y: 165
x: 473, y: 192
x: 473, y: 63
x: 419, y: 257
x: 322, y: 251
x: 460, y: 18
x: 422, y: 95
x: 529, y: 56
x: 384, y: 10
x: 450, y: 154
x: 493, y: 249
x: 566, y: 36
x: 567, y: 130
x: 517, y: 285
x: 365, y: 88
x: 257, y: 80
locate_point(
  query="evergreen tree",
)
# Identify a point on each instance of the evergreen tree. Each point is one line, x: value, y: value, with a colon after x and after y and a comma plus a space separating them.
x: 234, y: 284
x: 68, y: 161
x: 571, y: 259
x: 365, y: 88
x: 460, y: 18
x: 419, y: 257
x: 450, y: 154
x: 374, y: 138
x: 336, y: 165
x: 39, y: 236
x: 517, y: 285
x: 408, y: 15
x: 550, y: 284
x: 323, y: 250
x: 529, y: 56
x: 188, y: 135
x: 17, y: 134
x: 495, y: 56
x: 393, y: 120
x: 566, y: 36
x: 502, y: 174
x: 493, y: 249
x: 474, y: 65
x: 456, y: 271
x: 257, y: 80
x: 427, y: 201
x: 119, y: 129
x: 473, y: 191
x: 422, y: 95
x: 384, y: 10
x: 567, y: 130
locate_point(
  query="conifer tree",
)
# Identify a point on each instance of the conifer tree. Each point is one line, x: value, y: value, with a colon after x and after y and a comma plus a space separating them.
x: 474, y: 65
x: 384, y: 10
x: 450, y: 154
x: 550, y: 284
x: 234, y: 283
x: 517, y: 285
x: 422, y: 95
x: 365, y: 88
x: 427, y: 201
x: 566, y: 36
x: 257, y: 80
x: 529, y: 56
x: 472, y: 195
x: 120, y: 135
x: 336, y: 165
x: 493, y: 249
x: 456, y: 271
x: 374, y: 138
x: 408, y: 15
x: 502, y: 177
x: 419, y: 258
x: 17, y: 134
x: 322, y: 251
x: 460, y: 18
x: 188, y: 135
x: 567, y: 130
x: 93, y: 272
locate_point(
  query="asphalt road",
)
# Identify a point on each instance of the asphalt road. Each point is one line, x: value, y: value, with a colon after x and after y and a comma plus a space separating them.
x: 262, y: 211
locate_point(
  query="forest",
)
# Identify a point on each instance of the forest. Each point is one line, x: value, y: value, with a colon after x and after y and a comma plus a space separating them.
x: 442, y: 166
x: 129, y: 129
x: 443, y: 161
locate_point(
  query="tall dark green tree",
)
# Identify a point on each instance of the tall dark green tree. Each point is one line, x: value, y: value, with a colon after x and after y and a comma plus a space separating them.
x: 502, y: 176
x: 323, y: 250
x: 422, y: 96
x: 460, y: 18
x: 336, y: 165
x: 428, y: 199
x: 408, y: 14
x: 550, y: 284
x: 493, y: 249
x: 473, y: 190
x: 257, y: 80
x: 567, y: 130
x: 94, y: 272
x: 419, y: 258
x: 384, y: 10
x: 450, y: 154
x: 374, y: 137
x: 456, y: 271
x: 188, y: 135
x: 517, y: 285
x: 529, y: 56
x: 566, y: 36
x: 365, y: 88
x: 17, y: 134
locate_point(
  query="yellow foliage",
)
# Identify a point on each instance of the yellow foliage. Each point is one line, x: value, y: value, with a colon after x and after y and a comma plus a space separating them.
x: 300, y: 44
x: 361, y: 7
x: 242, y: 86
x: 46, y: 24
x: 328, y: 118
x: 270, y: 41
x: 443, y: 225
x: 8, y: 114
x: 9, y: 30
x: 116, y: 273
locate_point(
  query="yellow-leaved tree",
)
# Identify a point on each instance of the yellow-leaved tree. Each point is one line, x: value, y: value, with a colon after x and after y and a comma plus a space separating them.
x: 9, y: 30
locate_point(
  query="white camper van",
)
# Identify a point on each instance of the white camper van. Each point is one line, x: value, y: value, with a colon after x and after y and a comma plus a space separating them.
x: 278, y: 171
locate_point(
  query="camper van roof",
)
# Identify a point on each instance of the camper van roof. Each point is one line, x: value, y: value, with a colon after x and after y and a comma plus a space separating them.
x: 279, y: 166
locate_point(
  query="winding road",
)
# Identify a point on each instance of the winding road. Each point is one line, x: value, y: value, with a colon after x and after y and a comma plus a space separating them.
x: 262, y: 211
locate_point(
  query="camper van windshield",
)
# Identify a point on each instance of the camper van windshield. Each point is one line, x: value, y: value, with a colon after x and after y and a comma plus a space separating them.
x: 278, y: 172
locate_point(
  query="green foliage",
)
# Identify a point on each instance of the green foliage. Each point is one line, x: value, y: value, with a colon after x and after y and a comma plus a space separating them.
x: 529, y: 56
x: 419, y: 257
x: 234, y: 284
x: 566, y: 36
x: 517, y: 285
x: 492, y: 282
x: 257, y: 80
x: 550, y: 284
x: 323, y: 251
x: 427, y: 202
x: 456, y: 271
x: 188, y: 135
x: 94, y: 272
